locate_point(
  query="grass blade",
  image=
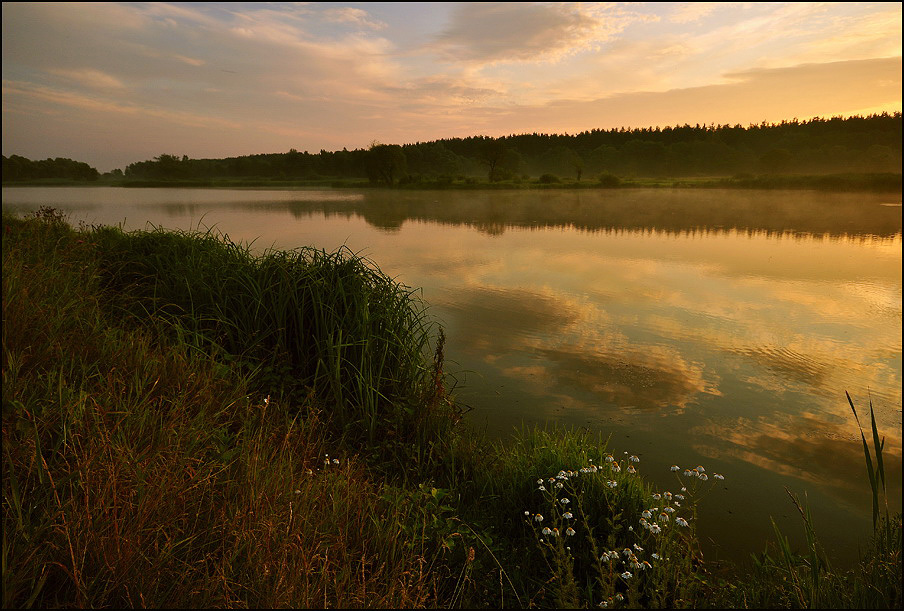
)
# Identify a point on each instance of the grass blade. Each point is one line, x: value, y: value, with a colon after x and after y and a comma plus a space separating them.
x: 874, y: 487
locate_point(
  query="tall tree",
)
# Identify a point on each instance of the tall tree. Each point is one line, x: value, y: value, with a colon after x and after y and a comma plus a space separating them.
x: 492, y: 154
x: 386, y: 163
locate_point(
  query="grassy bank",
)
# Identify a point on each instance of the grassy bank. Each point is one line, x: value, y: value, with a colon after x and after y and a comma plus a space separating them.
x: 186, y: 423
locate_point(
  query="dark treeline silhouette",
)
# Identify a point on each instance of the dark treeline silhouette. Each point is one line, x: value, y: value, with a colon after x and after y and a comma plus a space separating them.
x: 870, y: 144
x: 852, y: 145
x: 16, y: 168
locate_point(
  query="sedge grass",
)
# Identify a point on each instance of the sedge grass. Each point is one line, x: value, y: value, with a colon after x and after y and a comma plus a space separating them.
x: 302, y: 321
x: 138, y: 471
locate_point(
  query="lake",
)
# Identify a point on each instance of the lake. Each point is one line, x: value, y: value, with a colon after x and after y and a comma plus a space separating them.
x: 693, y: 327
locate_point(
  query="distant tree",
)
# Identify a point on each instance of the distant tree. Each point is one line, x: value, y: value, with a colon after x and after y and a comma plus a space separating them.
x: 433, y: 158
x: 168, y: 166
x: 604, y: 158
x: 645, y: 157
x: 386, y: 163
x: 881, y: 158
x: 577, y: 164
x: 776, y: 161
x: 564, y: 160
x: 17, y: 168
x: 492, y: 154
x: 609, y: 181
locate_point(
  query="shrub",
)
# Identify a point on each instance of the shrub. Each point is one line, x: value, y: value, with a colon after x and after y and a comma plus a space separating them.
x: 609, y: 180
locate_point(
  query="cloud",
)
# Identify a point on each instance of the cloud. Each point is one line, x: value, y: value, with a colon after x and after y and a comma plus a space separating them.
x: 688, y: 12
x: 355, y: 16
x: 522, y: 313
x: 443, y: 92
x: 517, y: 31
x: 572, y: 350
x: 93, y: 79
x: 225, y: 64
x: 645, y: 377
x: 28, y: 92
x: 877, y: 70
x: 798, y: 446
x: 860, y: 37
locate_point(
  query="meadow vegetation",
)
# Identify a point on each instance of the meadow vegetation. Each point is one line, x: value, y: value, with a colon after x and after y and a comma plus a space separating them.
x: 189, y: 424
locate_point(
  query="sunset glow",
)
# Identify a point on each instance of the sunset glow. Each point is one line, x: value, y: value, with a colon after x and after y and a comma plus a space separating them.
x: 115, y: 83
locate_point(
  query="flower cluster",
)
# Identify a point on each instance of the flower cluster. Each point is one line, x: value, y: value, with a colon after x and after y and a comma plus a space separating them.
x: 556, y: 489
x: 611, y: 601
x: 628, y: 557
x: 699, y: 472
x: 570, y: 522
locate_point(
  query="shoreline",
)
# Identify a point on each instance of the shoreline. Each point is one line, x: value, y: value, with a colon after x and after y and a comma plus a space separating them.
x: 854, y: 182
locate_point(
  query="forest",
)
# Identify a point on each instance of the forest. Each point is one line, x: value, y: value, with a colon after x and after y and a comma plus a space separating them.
x: 18, y: 169
x: 838, y: 145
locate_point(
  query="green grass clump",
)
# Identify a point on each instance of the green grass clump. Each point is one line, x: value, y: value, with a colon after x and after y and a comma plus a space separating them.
x: 300, y: 321
x: 558, y: 511
x: 139, y: 471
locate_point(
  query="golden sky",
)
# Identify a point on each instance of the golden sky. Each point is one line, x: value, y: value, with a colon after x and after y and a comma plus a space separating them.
x: 115, y: 83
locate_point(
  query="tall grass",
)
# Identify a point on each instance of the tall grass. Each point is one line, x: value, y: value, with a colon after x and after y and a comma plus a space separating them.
x: 139, y: 471
x: 299, y: 321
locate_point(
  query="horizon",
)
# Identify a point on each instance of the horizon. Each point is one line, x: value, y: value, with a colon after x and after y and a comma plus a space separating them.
x: 652, y: 128
x: 115, y: 83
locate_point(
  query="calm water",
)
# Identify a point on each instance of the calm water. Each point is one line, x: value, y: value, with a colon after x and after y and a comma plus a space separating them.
x: 695, y: 327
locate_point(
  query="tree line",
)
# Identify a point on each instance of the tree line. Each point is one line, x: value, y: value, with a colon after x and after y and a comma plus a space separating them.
x: 858, y: 144
x: 17, y: 168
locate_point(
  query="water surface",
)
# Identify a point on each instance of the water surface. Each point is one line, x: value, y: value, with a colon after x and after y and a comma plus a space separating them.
x: 708, y: 327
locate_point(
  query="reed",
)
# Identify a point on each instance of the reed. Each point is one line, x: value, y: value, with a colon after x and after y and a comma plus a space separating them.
x: 299, y: 321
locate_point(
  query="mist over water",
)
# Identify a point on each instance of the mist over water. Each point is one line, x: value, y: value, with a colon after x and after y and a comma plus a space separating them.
x: 712, y: 327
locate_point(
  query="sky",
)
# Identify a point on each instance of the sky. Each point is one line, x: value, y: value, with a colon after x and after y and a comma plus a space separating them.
x: 116, y: 83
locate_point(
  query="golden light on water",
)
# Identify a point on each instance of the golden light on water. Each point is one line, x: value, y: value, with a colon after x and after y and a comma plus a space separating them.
x: 703, y: 337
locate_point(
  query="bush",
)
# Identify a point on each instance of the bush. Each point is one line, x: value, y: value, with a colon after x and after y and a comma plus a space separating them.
x: 609, y: 181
